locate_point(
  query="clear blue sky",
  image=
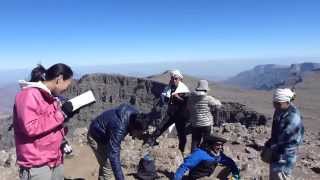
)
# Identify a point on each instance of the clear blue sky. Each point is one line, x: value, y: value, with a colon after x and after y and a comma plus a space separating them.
x: 90, y: 32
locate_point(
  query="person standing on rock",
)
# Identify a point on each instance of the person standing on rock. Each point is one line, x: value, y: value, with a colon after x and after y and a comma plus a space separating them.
x: 175, y: 95
x: 202, y: 161
x: 200, y: 106
x: 286, y: 135
x: 38, y: 118
x: 106, y: 133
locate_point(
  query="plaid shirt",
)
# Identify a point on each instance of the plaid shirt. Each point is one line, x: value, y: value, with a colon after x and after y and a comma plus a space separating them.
x: 287, y: 134
x: 287, y: 130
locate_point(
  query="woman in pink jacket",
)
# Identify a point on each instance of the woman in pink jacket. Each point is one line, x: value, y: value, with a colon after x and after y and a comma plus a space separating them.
x: 38, y: 123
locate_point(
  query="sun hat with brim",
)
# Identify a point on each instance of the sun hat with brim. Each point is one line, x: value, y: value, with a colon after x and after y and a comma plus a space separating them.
x: 210, y: 140
x: 203, y: 85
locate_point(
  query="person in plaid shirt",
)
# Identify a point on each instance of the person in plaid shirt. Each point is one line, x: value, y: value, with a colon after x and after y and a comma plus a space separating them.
x: 286, y: 136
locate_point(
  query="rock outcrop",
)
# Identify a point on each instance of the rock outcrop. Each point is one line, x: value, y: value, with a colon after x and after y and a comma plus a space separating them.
x: 232, y: 112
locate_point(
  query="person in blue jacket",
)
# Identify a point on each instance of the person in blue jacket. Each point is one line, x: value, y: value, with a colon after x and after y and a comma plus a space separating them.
x: 203, y: 160
x: 106, y: 133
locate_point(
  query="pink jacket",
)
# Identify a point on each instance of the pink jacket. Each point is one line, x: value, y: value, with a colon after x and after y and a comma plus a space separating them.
x: 38, y: 127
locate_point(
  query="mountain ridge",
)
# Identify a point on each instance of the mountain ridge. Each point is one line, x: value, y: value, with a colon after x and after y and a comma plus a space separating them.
x: 271, y: 76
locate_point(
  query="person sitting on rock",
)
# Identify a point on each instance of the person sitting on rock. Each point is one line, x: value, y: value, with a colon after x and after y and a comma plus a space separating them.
x: 175, y: 95
x: 106, y: 133
x: 200, y: 106
x: 202, y: 161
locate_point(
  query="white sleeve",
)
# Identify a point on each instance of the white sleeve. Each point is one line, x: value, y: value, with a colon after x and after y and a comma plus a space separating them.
x: 214, y: 102
x: 166, y: 93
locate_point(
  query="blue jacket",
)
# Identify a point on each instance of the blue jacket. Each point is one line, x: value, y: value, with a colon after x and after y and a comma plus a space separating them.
x: 110, y: 128
x: 287, y: 130
x: 199, y: 155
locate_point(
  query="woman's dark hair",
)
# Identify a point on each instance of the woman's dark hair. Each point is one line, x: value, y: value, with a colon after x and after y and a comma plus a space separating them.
x: 41, y: 74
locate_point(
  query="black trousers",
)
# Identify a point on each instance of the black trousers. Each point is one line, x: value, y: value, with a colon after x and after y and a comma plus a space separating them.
x: 180, y: 123
x: 198, y: 133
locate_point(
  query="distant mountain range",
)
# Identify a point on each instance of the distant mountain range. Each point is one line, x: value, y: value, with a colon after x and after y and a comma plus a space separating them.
x: 205, y: 69
x: 270, y: 76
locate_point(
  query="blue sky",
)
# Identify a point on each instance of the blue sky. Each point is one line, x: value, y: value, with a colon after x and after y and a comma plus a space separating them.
x: 83, y: 32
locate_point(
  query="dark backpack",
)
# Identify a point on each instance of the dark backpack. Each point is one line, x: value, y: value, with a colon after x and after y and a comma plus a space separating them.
x: 146, y: 168
x: 204, y: 169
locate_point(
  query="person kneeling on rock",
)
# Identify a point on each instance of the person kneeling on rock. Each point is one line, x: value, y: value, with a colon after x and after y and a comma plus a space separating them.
x: 203, y: 160
x: 106, y: 133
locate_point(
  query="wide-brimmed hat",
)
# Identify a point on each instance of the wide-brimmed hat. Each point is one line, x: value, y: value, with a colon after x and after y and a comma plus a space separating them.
x: 203, y: 85
x: 211, y: 140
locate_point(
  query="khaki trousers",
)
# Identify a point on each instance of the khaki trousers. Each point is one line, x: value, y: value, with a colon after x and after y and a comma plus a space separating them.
x: 100, y: 151
x: 41, y: 173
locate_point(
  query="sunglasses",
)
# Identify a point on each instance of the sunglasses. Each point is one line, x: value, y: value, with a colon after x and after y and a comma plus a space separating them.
x: 175, y: 78
x: 218, y: 144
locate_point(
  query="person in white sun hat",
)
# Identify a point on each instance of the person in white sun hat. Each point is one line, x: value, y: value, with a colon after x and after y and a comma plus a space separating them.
x: 175, y: 95
x: 286, y: 135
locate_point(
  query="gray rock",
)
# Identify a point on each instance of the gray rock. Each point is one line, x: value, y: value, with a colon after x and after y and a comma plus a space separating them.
x: 249, y: 150
x: 4, y: 156
x: 314, y: 156
x: 80, y: 135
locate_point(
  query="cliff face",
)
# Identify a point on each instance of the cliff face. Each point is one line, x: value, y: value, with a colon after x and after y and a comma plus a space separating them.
x: 232, y: 112
x: 113, y: 90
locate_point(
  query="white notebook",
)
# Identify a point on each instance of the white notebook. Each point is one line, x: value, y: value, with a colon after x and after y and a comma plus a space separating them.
x: 82, y: 100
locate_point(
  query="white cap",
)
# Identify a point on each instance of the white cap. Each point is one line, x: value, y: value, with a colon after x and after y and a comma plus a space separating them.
x: 176, y: 73
x: 283, y: 95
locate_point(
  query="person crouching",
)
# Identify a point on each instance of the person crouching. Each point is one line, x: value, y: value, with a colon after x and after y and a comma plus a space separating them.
x: 106, y: 133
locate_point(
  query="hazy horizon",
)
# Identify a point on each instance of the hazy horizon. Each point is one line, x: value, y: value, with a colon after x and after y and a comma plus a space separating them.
x: 206, y: 69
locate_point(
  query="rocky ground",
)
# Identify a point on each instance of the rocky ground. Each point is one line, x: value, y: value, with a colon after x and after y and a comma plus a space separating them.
x: 244, y: 147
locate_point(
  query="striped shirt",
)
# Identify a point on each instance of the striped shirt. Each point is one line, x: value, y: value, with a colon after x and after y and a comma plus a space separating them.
x: 200, y: 106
